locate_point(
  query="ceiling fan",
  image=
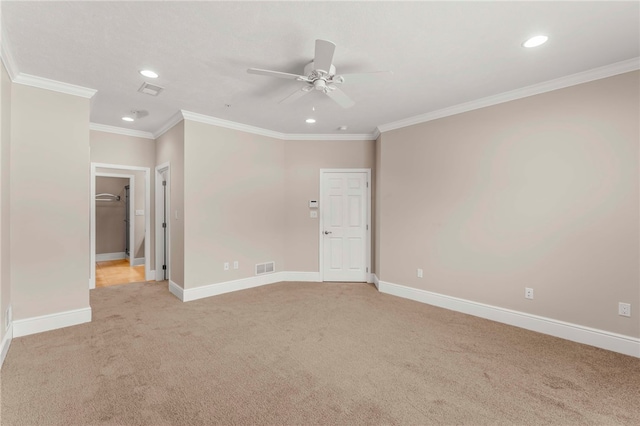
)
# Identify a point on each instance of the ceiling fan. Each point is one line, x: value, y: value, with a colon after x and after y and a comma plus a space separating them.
x: 319, y: 74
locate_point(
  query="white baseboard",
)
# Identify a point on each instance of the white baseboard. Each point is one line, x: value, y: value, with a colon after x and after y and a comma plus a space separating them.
x: 151, y: 276
x: 375, y: 281
x: 109, y: 256
x: 138, y: 261
x: 6, y: 342
x: 590, y: 336
x: 27, y: 326
x: 229, y: 286
x: 176, y: 290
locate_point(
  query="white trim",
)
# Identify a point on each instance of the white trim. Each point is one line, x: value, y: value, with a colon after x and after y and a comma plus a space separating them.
x: 175, y: 119
x: 176, y: 290
x: 152, y: 275
x: 577, y: 333
x: 327, y: 137
x: 27, y: 326
x: 523, y: 92
x: 376, y: 281
x: 147, y: 217
x: 206, y: 119
x: 229, y: 286
x: 302, y: 276
x: 7, y: 56
x: 120, y: 131
x: 6, y: 343
x: 376, y: 134
x: 158, y: 222
x: 101, y: 257
x: 120, y: 166
x: 321, y: 224
x: 137, y: 261
x: 56, y: 86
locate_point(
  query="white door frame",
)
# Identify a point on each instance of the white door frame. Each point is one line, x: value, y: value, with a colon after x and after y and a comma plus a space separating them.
x: 159, y: 208
x: 321, y: 224
x: 147, y: 218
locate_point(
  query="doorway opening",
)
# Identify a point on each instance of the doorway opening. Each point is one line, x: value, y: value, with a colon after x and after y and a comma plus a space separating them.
x: 116, y: 258
x: 120, y: 225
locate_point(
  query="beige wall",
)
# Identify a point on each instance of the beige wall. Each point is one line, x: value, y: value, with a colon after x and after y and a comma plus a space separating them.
x: 5, y: 146
x: 109, y: 148
x: 540, y: 192
x: 170, y: 147
x: 303, y: 161
x: 110, y: 216
x: 49, y: 202
x: 234, y: 195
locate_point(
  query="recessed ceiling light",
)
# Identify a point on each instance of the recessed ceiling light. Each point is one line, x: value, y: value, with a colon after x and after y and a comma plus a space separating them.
x: 310, y: 120
x: 125, y: 118
x: 342, y: 128
x: 535, y: 41
x: 149, y: 73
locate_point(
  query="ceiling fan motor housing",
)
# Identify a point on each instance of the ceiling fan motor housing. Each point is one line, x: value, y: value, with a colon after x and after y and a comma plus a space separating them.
x: 310, y: 68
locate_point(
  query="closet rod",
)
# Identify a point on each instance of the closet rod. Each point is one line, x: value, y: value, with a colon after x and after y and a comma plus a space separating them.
x: 111, y: 197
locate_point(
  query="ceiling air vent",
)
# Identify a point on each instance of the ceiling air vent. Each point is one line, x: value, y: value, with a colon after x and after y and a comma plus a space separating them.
x: 150, y: 89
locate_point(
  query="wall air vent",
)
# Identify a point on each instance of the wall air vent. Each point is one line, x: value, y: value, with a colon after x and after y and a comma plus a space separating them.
x: 150, y: 89
x: 265, y: 268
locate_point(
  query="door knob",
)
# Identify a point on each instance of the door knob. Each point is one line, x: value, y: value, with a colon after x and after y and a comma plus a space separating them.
x: 327, y: 232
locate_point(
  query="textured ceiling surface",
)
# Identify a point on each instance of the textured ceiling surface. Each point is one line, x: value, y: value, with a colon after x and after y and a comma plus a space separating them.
x: 441, y: 54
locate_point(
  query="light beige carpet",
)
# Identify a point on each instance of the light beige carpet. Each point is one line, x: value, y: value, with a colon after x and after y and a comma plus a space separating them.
x: 306, y: 353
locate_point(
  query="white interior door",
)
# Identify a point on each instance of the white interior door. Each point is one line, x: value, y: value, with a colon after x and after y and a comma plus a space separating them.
x: 344, y: 226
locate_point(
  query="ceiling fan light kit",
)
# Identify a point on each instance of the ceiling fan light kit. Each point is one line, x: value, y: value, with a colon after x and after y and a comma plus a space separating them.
x: 319, y: 74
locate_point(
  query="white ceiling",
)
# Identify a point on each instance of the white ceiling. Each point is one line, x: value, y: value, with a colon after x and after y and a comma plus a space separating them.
x: 441, y: 53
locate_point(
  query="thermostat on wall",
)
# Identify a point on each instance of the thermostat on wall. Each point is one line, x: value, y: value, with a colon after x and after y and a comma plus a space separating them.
x: 313, y: 204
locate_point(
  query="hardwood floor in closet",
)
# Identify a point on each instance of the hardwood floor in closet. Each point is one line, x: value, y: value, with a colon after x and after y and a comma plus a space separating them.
x: 114, y: 272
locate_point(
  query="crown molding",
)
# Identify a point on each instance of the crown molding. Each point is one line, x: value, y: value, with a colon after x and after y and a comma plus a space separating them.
x: 175, y: 119
x: 327, y: 137
x: 7, y: 57
x: 56, y: 86
x: 201, y: 118
x: 376, y: 134
x: 120, y: 131
x: 535, y: 89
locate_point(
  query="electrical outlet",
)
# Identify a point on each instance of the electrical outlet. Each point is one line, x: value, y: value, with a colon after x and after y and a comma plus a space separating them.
x: 528, y: 293
x: 313, y: 214
x: 420, y: 274
x: 236, y: 265
x: 226, y: 266
x: 624, y: 309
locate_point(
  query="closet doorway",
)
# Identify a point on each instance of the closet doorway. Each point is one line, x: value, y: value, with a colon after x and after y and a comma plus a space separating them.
x: 116, y: 260
x: 120, y: 224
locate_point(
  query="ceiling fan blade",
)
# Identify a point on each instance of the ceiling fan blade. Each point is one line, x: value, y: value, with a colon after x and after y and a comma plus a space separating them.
x: 365, y: 77
x: 295, y: 96
x: 324, y: 55
x: 278, y: 74
x: 341, y: 98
